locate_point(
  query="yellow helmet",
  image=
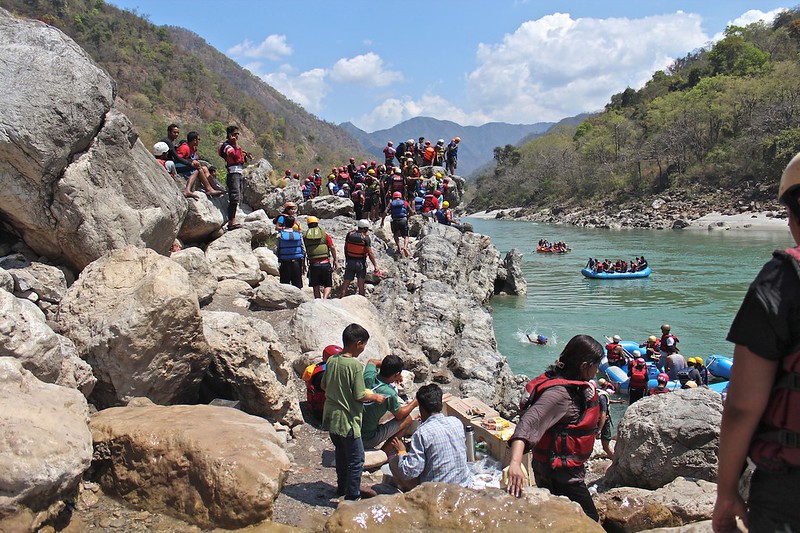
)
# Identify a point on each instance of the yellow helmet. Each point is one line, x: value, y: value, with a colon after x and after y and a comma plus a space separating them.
x: 371, y: 172
x: 690, y: 360
x: 445, y: 204
x: 652, y: 338
x: 312, y: 220
x: 457, y: 139
x: 790, y: 179
x: 438, y: 174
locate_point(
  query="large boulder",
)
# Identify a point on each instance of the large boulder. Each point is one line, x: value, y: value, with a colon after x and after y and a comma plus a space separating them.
x: 267, y: 260
x: 45, y: 444
x: 249, y: 364
x: 210, y: 466
x: 450, y: 508
x: 274, y: 295
x: 232, y: 257
x: 653, y: 450
x: 204, y: 217
x: 7, y: 281
x: 259, y: 192
x: 318, y: 323
x: 509, y: 275
x: 48, y: 282
x: 202, y: 278
x: 135, y: 317
x: 328, y: 207
x: 683, y: 501
x: 26, y: 336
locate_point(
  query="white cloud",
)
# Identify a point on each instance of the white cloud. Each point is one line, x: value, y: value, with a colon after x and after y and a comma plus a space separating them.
x: 274, y: 48
x: 748, y: 17
x: 558, y: 66
x: 392, y: 111
x: 307, y: 89
x: 365, y: 69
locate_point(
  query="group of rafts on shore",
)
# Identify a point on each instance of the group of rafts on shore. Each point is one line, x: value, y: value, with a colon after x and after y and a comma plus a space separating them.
x: 718, y: 366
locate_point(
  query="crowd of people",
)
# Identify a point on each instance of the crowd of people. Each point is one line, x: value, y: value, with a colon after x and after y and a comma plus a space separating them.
x: 546, y: 246
x: 619, y: 266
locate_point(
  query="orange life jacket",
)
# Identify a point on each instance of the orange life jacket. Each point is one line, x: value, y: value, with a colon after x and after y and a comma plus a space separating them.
x: 355, y: 245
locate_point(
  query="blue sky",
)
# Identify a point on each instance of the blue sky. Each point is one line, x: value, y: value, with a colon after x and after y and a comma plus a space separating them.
x: 525, y: 61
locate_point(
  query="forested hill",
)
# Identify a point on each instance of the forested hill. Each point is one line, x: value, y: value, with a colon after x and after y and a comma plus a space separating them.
x: 721, y: 118
x: 168, y: 74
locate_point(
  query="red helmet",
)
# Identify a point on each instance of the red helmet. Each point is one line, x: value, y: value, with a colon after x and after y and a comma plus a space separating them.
x: 316, y: 170
x: 397, y: 194
x: 662, y: 378
x: 639, y: 361
x: 287, y: 172
x: 364, y: 163
x: 373, y: 163
x: 437, y: 192
x: 352, y: 159
x: 330, y: 351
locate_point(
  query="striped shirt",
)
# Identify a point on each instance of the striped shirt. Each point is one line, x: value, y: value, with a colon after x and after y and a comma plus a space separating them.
x: 438, y: 452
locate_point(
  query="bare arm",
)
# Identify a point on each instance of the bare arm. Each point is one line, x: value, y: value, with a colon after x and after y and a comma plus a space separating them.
x: 404, y: 411
x: 750, y: 386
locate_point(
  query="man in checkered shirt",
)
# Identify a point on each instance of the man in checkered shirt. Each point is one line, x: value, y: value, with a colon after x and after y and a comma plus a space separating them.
x: 438, y: 452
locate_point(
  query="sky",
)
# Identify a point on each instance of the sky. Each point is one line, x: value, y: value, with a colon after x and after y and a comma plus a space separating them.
x: 376, y: 64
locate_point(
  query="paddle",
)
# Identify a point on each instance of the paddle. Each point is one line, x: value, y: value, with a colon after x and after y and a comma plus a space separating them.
x: 625, y: 352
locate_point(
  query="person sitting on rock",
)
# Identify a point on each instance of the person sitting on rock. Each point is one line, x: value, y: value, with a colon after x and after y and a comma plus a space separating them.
x: 661, y: 386
x: 173, y: 132
x: 357, y: 248
x: 559, y: 422
x: 312, y: 375
x: 161, y: 153
x: 188, y: 151
x: 438, y: 451
x: 380, y: 376
x: 319, y: 250
x: 291, y: 254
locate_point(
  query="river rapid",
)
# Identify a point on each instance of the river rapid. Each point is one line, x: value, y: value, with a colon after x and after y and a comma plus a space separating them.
x: 699, y: 279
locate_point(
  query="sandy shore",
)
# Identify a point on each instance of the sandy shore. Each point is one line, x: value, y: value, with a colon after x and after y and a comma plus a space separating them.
x: 490, y: 215
x: 715, y: 221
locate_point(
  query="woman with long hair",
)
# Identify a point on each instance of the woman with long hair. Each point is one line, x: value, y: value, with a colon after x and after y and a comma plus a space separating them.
x: 559, y: 423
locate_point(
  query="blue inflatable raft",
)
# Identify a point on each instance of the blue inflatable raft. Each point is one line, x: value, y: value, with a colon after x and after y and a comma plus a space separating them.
x: 589, y: 273
x: 720, y: 366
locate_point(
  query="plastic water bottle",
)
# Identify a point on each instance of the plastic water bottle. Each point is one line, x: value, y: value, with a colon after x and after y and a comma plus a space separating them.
x: 470, y: 441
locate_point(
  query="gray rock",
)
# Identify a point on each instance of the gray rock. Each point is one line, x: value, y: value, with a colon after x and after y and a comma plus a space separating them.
x: 509, y: 275
x: 6, y: 280
x: 249, y: 363
x: 652, y: 450
x: 45, y: 444
x: 135, y: 317
x: 52, y: 358
x: 234, y: 292
x: 267, y: 260
x: 259, y: 192
x: 202, y: 278
x: 48, y: 282
x: 328, y: 207
x: 204, y: 217
x: 232, y: 257
x: 259, y: 214
x: 274, y: 295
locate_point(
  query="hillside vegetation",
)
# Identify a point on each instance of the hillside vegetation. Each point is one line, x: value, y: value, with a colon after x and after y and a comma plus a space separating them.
x: 718, y: 119
x: 167, y: 74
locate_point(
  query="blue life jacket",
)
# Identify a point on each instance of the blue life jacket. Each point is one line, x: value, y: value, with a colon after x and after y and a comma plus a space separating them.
x: 418, y: 201
x: 290, y: 245
x: 441, y: 217
x: 306, y: 189
x: 398, y: 209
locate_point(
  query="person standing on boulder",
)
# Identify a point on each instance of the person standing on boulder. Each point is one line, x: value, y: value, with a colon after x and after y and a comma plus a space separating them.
x: 235, y: 159
x: 357, y: 248
x: 559, y: 423
x: 761, y: 418
x: 342, y: 414
x: 291, y: 254
x: 451, y: 156
x: 319, y: 250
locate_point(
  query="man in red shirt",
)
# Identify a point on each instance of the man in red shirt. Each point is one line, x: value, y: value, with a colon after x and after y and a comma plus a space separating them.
x: 235, y: 159
x: 188, y: 152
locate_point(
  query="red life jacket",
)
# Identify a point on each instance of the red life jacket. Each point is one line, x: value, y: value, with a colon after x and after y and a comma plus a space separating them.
x: 398, y: 183
x: 638, y: 377
x: 656, y: 390
x: 427, y: 204
x: 355, y: 245
x: 314, y: 393
x: 777, y: 441
x: 566, y: 445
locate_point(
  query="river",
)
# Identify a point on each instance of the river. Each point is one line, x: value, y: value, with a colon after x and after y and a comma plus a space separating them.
x: 698, y: 282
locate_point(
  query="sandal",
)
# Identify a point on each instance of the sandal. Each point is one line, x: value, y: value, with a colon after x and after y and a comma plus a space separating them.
x: 234, y: 226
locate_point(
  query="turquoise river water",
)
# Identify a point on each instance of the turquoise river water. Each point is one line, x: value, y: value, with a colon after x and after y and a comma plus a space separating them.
x: 697, y: 285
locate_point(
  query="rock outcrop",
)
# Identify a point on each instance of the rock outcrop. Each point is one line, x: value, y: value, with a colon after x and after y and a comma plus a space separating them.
x: 510, y: 279
x: 259, y: 193
x: 201, y: 276
x: 204, y: 217
x: 328, y: 207
x: 135, y: 317
x: 273, y: 295
x: 45, y: 444
x: 450, y: 508
x: 233, y: 258
x: 75, y: 181
x: 215, y: 467
x: 653, y: 450
x: 249, y: 364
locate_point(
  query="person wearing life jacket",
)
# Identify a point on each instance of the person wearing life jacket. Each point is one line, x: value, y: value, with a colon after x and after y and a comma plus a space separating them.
x: 358, y: 199
x: 291, y: 254
x: 651, y: 345
x: 357, y: 248
x: 419, y: 200
x: 639, y: 376
x: 761, y: 415
x: 560, y: 423
x: 451, y: 156
x: 428, y: 154
x: 388, y: 153
x: 289, y: 211
x: 307, y: 188
x: 319, y: 251
x: 439, y: 161
x: 616, y: 357
x: 699, y: 364
x: 312, y: 375
x: 399, y: 210
x: 661, y: 385
x: 669, y: 342
x: 235, y: 159
x: 397, y: 183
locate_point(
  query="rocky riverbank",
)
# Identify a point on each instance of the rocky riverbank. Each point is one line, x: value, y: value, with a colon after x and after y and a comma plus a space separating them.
x: 754, y: 208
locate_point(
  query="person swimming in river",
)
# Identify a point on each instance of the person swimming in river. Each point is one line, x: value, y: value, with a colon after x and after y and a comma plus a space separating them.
x: 540, y: 339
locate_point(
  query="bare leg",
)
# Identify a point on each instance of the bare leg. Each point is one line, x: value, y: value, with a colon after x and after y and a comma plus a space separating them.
x: 361, y: 290
x: 204, y: 174
x: 345, y: 286
x: 316, y: 291
x: 187, y: 191
x: 326, y: 293
x: 405, y: 246
x: 607, y: 448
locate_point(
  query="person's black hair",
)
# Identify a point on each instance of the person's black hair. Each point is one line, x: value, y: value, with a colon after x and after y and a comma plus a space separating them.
x: 353, y: 333
x: 173, y: 125
x: 580, y: 349
x: 288, y: 222
x: 192, y: 135
x: 212, y: 168
x: 430, y: 398
x: 391, y: 365
x: 231, y: 129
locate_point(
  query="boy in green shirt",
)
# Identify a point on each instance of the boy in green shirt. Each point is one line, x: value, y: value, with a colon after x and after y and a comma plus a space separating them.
x: 345, y: 395
x: 380, y: 376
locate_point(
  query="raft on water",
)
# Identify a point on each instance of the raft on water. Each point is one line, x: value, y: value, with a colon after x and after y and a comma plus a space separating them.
x: 552, y: 250
x: 589, y: 273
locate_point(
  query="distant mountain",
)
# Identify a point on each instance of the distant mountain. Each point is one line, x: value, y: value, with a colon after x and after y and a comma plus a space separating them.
x: 477, y: 142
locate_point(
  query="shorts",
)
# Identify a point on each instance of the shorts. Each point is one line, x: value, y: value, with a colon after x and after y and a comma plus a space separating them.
x: 385, y: 430
x: 355, y: 268
x: 605, y: 432
x: 400, y: 227
x: 320, y: 274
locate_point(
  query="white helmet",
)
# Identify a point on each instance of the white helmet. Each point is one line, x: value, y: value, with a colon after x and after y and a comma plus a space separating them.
x: 363, y: 223
x: 160, y: 148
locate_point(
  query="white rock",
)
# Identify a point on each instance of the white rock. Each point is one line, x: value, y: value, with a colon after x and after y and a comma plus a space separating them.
x: 267, y: 260
x: 231, y: 257
x: 202, y: 278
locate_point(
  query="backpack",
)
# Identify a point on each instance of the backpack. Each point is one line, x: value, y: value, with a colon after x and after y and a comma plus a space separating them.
x: 222, y: 147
